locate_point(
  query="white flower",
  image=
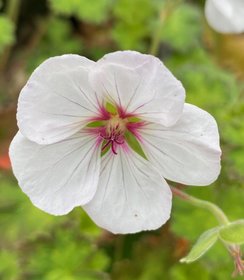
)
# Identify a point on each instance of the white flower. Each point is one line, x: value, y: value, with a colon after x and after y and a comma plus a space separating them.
x: 76, y: 118
x: 225, y: 16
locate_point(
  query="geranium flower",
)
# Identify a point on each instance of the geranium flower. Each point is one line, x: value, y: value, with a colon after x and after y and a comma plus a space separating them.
x: 105, y: 135
x: 225, y: 16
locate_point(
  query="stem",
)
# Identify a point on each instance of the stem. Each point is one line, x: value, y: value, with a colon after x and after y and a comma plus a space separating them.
x: 156, y: 37
x: 215, y: 210
x: 119, y: 243
x: 222, y: 219
x: 164, y: 13
x: 12, y: 9
x: 12, y: 12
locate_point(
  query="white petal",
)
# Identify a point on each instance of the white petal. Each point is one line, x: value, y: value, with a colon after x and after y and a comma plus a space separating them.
x: 57, y: 100
x: 225, y: 16
x: 187, y: 152
x: 140, y: 84
x: 131, y: 195
x: 57, y: 177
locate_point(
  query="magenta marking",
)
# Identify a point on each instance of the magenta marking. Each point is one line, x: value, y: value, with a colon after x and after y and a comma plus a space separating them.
x: 94, y: 130
x: 125, y: 147
x: 134, y: 129
x: 105, y: 115
x: 98, y: 142
x: 123, y: 114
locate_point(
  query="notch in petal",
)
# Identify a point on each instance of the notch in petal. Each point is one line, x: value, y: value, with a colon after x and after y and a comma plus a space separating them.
x: 141, y: 85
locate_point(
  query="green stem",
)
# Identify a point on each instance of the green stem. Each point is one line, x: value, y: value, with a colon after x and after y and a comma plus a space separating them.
x: 222, y: 219
x: 156, y: 37
x: 12, y: 9
x: 214, y: 209
x: 12, y: 12
x: 119, y: 244
x: 165, y: 11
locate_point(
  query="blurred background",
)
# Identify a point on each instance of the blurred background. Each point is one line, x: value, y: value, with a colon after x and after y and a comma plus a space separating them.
x: 35, y: 245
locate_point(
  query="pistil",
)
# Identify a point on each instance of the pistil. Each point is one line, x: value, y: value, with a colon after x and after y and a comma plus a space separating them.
x: 113, y: 133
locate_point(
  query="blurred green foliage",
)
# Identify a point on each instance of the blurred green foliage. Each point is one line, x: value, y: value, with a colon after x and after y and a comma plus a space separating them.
x: 57, y: 40
x: 6, y: 33
x: 182, y: 28
x: 95, y: 12
x: 35, y: 245
x: 133, y: 23
x: 43, y: 246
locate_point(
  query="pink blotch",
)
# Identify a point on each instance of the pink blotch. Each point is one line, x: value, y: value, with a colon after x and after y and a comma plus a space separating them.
x: 134, y: 128
x: 123, y: 114
x: 103, y: 115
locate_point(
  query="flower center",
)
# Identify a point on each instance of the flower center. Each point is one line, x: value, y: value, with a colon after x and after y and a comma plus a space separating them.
x: 114, y: 131
x: 114, y: 127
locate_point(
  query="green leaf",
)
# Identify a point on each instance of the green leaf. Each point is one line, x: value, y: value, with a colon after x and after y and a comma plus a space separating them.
x: 203, y: 244
x: 233, y: 233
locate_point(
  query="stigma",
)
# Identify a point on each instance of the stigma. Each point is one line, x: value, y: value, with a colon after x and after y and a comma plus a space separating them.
x: 113, y: 132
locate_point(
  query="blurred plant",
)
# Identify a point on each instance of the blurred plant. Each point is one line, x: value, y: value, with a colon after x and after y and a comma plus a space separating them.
x: 184, y: 19
x: 165, y: 9
x: 133, y: 23
x: 46, y: 248
x: 7, y: 37
x: 9, y: 268
x: 7, y: 30
x: 57, y: 40
x: 231, y: 234
x: 95, y: 12
x: 67, y: 255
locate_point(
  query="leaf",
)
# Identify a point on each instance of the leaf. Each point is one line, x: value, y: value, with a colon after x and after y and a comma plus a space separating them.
x: 233, y: 233
x: 203, y: 244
